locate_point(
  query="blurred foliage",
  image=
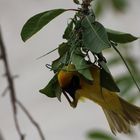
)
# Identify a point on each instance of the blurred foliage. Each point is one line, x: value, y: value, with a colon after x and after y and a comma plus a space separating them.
x: 127, y: 86
x: 124, y: 81
x: 100, y: 6
x: 100, y: 135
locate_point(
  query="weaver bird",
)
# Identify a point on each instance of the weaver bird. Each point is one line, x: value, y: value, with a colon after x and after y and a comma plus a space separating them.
x: 119, y: 113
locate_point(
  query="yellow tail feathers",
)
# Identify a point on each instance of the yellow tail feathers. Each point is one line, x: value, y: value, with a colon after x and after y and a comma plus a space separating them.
x: 120, y: 122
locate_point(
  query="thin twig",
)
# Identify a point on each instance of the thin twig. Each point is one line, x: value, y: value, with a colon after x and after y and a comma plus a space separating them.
x: 77, y: 10
x: 0, y: 55
x: 14, y: 100
x: 47, y: 53
x: 127, y: 67
x: 31, y: 119
x: 8, y: 74
x: 22, y: 136
x: 10, y: 85
x: 5, y: 91
x: 1, y: 136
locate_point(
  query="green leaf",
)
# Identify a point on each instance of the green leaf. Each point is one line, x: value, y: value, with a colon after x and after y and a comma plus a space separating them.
x: 58, y: 63
x: 52, y: 89
x: 63, y: 48
x: 63, y: 51
x: 107, y: 81
x: 95, y: 37
x: 82, y: 66
x: 120, y: 37
x: 68, y: 31
x: 99, y: 135
x: 37, y: 22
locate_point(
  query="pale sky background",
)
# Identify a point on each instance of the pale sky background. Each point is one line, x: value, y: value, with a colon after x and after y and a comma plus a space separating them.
x: 57, y: 120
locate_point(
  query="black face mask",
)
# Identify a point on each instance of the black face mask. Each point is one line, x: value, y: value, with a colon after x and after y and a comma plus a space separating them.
x: 73, y: 86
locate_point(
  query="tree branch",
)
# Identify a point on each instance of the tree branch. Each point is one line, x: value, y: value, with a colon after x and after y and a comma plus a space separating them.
x: 8, y: 74
x: 1, y: 136
x: 5, y: 91
x: 10, y: 85
x: 31, y: 119
x: 14, y: 100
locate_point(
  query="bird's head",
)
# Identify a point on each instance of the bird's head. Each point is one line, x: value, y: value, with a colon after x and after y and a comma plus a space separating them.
x: 69, y: 80
x: 65, y: 75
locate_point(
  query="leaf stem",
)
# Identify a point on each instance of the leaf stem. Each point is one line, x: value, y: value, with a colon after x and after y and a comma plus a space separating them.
x: 47, y: 53
x: 127, y: 67
x: 77, y: 10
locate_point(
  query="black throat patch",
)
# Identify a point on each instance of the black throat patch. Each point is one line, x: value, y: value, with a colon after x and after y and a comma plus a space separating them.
x: 73, y: 86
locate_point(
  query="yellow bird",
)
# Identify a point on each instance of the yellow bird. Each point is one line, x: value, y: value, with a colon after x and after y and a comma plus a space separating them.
x: 119, y: 113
